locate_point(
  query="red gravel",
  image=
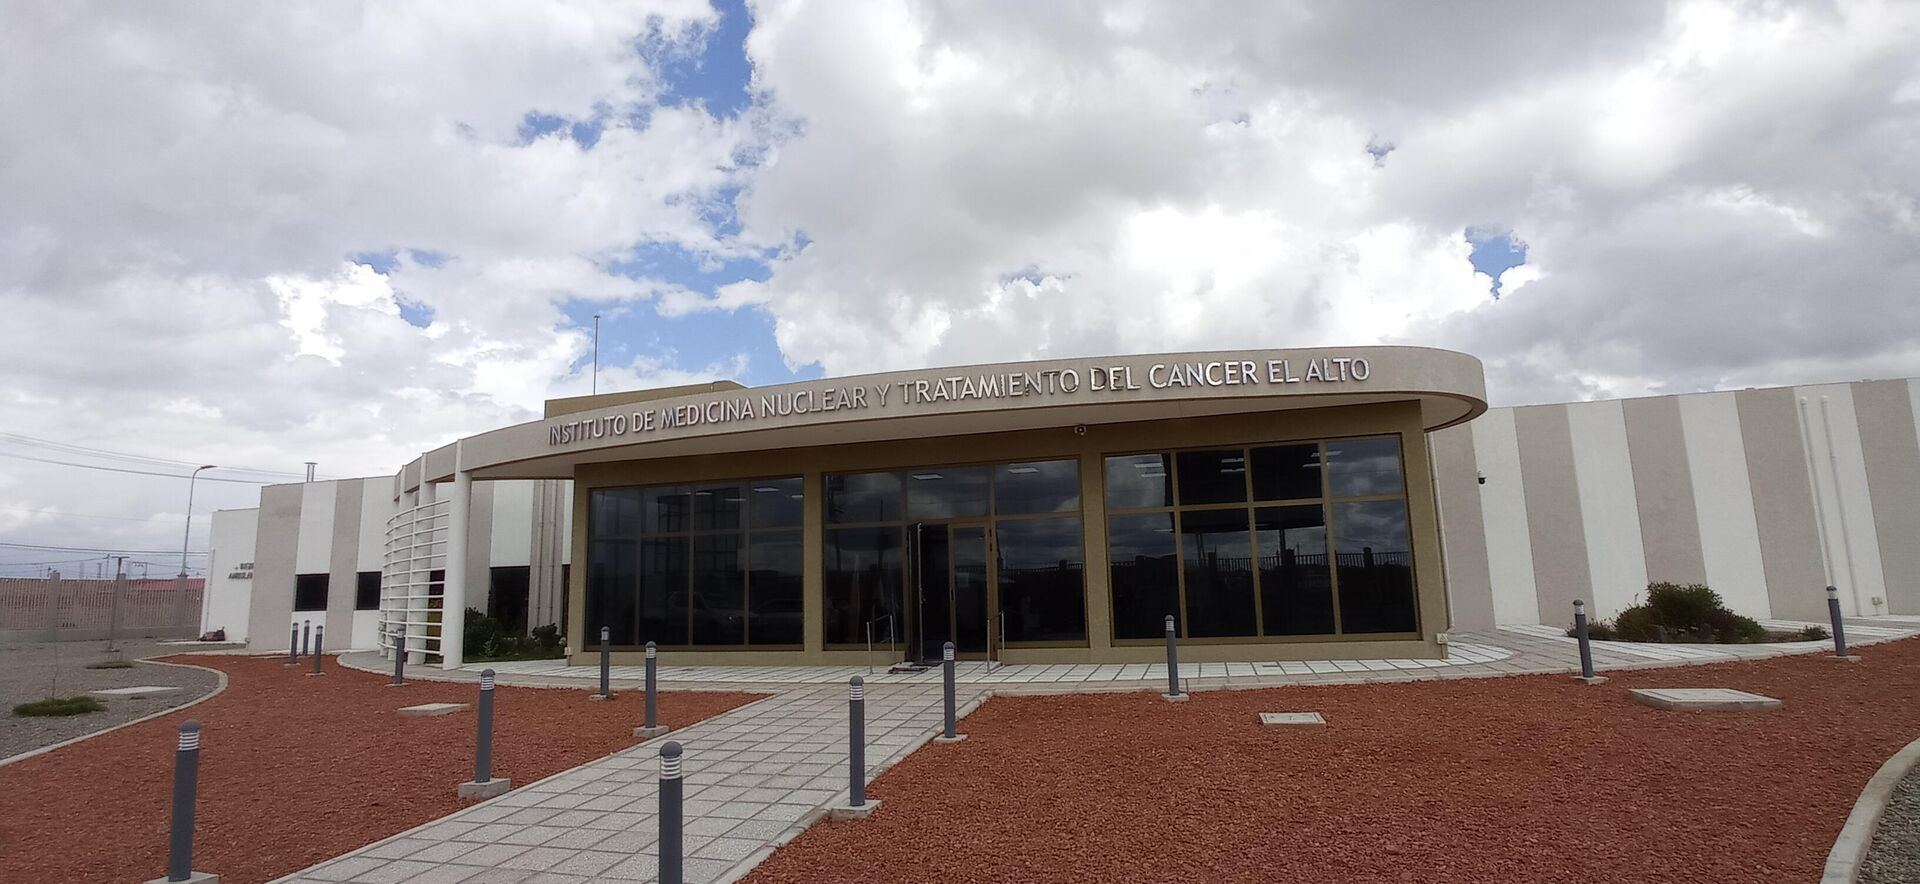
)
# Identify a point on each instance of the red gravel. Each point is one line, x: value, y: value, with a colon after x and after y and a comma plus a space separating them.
x: 1533, y: 778
x: 294, y: 770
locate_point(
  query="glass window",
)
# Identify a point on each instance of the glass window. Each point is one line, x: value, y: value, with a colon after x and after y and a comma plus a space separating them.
x: 718, y: 508
x: 863, y: 583
x: 310, y: 592
x: 663, y: 509
x: 774, y: 503
x: 507, y: 589
x: 718, y: 603
x: 1375, y: 566
x: 663, y: 590
x: 1042, y: 579
x: 1213, y: 476
x: 1143, y: 566
x: 1363, y: 467
x: 1296, y: 592
x: 1286, y: 472
x: 613, y: 512
x: 366, y: 591
x: 1216, y: 554
x: 613, y: 586
x: 863, y: 497
x: 1049, y: 486
x: 1140, y: 480
x: 946, y: 493
x: 775, y: 601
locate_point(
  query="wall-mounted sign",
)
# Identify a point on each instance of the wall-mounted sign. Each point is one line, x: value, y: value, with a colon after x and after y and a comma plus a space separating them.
x: 242, y: 571
x: 1087, y: 382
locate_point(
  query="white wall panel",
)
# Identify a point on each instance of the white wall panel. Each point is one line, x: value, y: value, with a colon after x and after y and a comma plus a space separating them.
x: 1503, y: 504
x: 1853, y: 547
x: 1723, y: 497
x: 1609, y: 509
x: 229, y: 600
x: 376, y: 507
x: 512, y: 523
x: 566, y: 508
x: 315, y: 547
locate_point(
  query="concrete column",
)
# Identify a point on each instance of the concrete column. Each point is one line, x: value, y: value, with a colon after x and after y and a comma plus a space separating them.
x: 453, y: 598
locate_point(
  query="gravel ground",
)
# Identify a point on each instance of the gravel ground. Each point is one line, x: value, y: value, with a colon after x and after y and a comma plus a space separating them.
x: 31, y: 670
x: 1532, y: 778
x: 294, y: 770
x: 1894, y: 855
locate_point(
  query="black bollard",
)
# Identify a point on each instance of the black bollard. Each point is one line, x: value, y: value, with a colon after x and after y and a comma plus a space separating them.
x: 186, y: 780
x: 672, y: 789
x: 606, y: 665
x: 400, y: 657
x: 1586, y: 646
x: 319, y: 642
x: 484, y: 785
x: 1839, y: 629
x: 653, y: 727
x: 293, y: 645
x: 856, y: 742
x: 1173, y: 665
x: 947, y: 734
x: 306, y: 637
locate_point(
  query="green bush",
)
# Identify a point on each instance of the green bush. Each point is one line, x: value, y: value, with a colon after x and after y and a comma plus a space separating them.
x: 111, y: 664
x: 79, y: 704
x: 1691, y: 613
x: 488, y: 640
x: 1597, y: 630
x: 1637, y: 624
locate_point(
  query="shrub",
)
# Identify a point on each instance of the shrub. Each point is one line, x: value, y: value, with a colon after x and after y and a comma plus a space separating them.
x: 487, y: 639
x: 1597, y: 630
x: 111, y: 664
x: 79, y: 704
x: 1686, y: 613
x: 1636, y: 624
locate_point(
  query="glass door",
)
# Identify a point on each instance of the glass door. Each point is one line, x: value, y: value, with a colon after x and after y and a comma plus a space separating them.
x: 952, y: 582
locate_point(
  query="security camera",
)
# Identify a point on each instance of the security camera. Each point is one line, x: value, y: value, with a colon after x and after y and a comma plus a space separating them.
x: 1080, y: 429
x: 1483, y: 478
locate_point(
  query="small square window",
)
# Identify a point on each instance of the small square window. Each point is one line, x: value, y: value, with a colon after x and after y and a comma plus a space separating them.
x: 310, y: 592
x: 366, y: 591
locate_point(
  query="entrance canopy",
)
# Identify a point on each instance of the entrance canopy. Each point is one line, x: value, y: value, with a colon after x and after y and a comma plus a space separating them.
x: 1450, y: 388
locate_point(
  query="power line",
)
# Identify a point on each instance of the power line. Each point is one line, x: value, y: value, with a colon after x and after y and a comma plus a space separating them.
x: 70, y: 448
x: 81, y: 515
x: 99, y: 549
x: 88, y: 466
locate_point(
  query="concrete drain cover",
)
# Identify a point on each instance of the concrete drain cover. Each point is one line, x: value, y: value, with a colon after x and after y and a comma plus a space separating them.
x: 145, y: 690
x: 425, y: 710
x: 1710, y: 699
x: 1302, y: 718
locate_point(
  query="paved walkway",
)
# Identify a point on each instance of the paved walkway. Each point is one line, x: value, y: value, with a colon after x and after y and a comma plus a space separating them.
x: 759, y: 775
x: 755, y: 777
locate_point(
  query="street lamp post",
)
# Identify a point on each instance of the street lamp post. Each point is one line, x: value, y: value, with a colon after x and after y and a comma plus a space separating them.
x: 186, y: 537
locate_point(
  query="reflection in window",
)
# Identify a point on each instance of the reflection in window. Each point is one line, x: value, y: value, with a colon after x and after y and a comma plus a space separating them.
x: 1286, y: 472
x: 863, y: 583
x: 775, y: 503
x: 1213, y: 476
x: 774, y: 612
x: 663, y: 590
x: 1051, y: 486
x: 1375, y: 566
x: 1364, y: 467
x: 1042, y: 580
x: 1143, y: 567
x: 863, y: 497
x: 718, y: 507
x: 1139, y: 480
x: 946, y: 493
x: 1216, y: 556
x: 1296, y: 596
x: 717, y: 606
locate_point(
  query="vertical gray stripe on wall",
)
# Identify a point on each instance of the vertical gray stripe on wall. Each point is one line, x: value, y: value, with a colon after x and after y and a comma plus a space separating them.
x: 1462, y: 528
x: 480, y: 546
x: 1554, y: 524
x: 1783, y: 503
x: 276, y: 541
x: 343, y: 562
x: 1890, y: 443
x: 1663, y: 489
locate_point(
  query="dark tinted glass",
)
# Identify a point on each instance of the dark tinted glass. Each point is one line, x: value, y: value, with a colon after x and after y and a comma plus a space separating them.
x: 613, y: 512
x: 663, y: 591
x: 1286, y: 472
x: 774, y: 598
x: 1143, y: 566
x: 1360, y: 467
x: 719, y: 508
x: 613, y: 585
x: 863, y: 582
x: 1042, y: 579
x: 665, y: 508
x: 1140, y: 480
x: 366, y: 591
x: 1051, y: 486
x: 863, y: 497
x: 1213, y: 476
x: 775, y: 503
x: 718, y: 604
x: 1296, y: 593
x: 507, y: 597
x: 1217, y: 554
x: 946, y: 492
x: 1375, y: 566
x: 310, y: 592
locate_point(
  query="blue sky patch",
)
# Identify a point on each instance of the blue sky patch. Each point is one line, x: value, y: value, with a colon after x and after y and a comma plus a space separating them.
x: 1495, y: 252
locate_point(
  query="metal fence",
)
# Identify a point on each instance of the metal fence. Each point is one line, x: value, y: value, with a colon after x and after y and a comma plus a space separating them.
x: 411, y: 578
x: 57, y: 609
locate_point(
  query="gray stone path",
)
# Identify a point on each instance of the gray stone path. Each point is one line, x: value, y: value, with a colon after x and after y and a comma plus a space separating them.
x: 755, y: 777
x: 32, y: 671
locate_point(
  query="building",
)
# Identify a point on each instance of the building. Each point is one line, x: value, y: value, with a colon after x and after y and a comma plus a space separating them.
x: 1280, y: 504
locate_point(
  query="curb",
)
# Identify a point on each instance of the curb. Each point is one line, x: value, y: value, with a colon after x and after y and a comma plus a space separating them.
x: 1843, y: 862
x: 219, y: 687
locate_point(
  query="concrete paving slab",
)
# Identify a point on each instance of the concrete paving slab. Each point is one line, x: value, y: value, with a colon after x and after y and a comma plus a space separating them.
x: 144, y: 690
x: 1309, y: 719
x: 428, y: 710
x: 1702, y: 699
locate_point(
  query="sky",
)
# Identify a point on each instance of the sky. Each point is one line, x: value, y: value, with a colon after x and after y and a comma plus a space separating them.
x: 348, y: 233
